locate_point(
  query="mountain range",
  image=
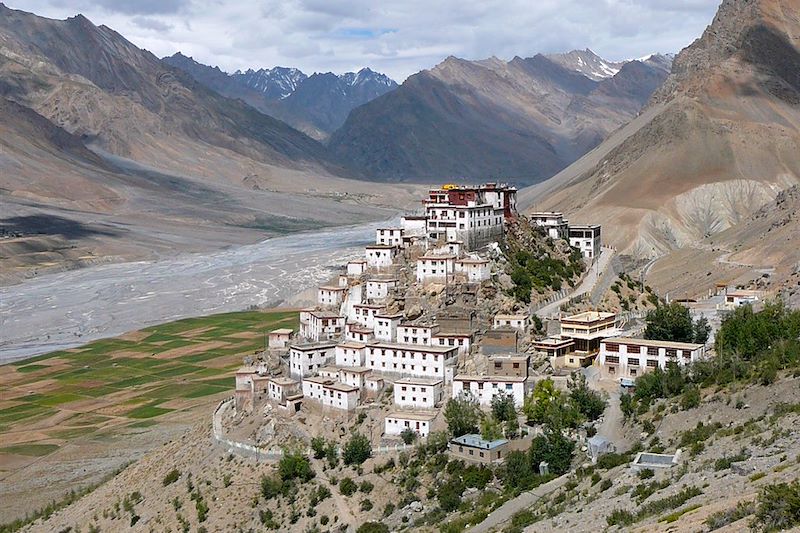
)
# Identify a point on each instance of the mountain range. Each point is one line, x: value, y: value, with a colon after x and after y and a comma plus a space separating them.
x: 521, y: 120
x: 718, y: 140
x: 316, y: 105
x: 103, y: 136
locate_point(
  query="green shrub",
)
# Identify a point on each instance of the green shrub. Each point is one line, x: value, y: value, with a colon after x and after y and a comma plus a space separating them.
x: 347, y: 486
x: 366, y: 505
x: 357, y: 450
x: 373, y: 527
x: 728, y: 516
x: 171, y: 477
x: 723, y: 463
x: 366, y: 487
x: 294, y: 465
x: 778, y: 506
x: 605, y: 485
x: 646, y: 473
x: 408, y: 435
x: 611, y: 460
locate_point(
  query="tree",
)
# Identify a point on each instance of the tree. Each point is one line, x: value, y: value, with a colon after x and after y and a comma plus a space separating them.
x: 503, y: 408
x: 702, y: 329
x: 669, y: 322
x: 549, y: 407
x: 357, y: 450
x: 588, y: 402
x: 553, y: 448
x: 517, y: 473
x: 408, y: 435
x: 627, y: 405
x: 490, y: 428
x: 318, y: 445
x: 294, y: 465
x: 462, y: 414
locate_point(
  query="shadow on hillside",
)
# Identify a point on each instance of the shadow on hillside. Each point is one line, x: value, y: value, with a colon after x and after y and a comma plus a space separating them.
x: 50, y: 225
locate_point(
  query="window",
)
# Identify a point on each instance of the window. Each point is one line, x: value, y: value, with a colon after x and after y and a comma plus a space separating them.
x: 498, y: 365
x: 652, y: 363
x: 633, y: 361
x: 612, y: 359
x: 612, y: 347
x: 652, y: 350
x: 672, y: 352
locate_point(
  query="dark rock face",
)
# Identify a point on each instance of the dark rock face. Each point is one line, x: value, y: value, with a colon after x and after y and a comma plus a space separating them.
x: 522, y: 120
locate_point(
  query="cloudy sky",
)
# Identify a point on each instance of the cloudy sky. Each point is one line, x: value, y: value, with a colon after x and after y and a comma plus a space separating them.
x: 398, y: 37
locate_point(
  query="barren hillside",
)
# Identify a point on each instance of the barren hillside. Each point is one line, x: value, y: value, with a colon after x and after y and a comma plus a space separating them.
x: 720, y: 139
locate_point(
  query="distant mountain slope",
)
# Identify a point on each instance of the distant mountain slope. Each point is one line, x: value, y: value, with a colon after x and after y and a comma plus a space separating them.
x: 587, y: 63
x: 316, y: 104
x: 720, y: 139
x: 522, y: 120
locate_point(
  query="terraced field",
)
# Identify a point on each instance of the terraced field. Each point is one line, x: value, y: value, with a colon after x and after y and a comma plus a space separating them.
x: 92, y: 397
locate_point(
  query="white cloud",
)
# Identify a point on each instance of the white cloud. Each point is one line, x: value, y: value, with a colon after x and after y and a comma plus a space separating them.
x: 398, y: 37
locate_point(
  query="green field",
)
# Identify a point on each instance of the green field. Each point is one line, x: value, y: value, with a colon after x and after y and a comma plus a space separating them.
x: 127, y: 382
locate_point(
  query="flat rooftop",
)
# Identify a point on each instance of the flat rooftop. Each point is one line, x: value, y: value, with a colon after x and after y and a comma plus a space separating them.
x: 509, y: 357
x: 553, y: 342
x: 490, y: 379
x: 431, y: 257
x: 353, y: 345
x: 341, y: 387
x: 283, y: 381
x: 511, y: 317
x: 281, y: 331
x: 589, y: 316
x: 653, y: 342
x: 413, y: 347
x: 418, y: 381
x: 332, y: 288
x: 412, y: 415
x: 476, y: 441
x: 312, y: 346
x: 355, y: 369
x: 325, y: 314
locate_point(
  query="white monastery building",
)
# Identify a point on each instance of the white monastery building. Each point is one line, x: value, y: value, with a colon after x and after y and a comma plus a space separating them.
x: 435, y: 268
x: 418, y: 392
x: 519, y: 322
x: 554, y: 223
x: 306, y: 359
x: 587, y: 239
x: 356, y: 268
x: 625, y: 357
x: 474, y: 269
x: 380, y: 256
x: 330, y: 393
x: 386, y: 326
x: 378, y: 289
x: 350, y: 354
x: 484, y: 388
x: 331, y: 296
x: 389, y: 236
x: 419, y: 422
x: 419, y: 334
x: 416, y: 361
x: 280, y: 338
